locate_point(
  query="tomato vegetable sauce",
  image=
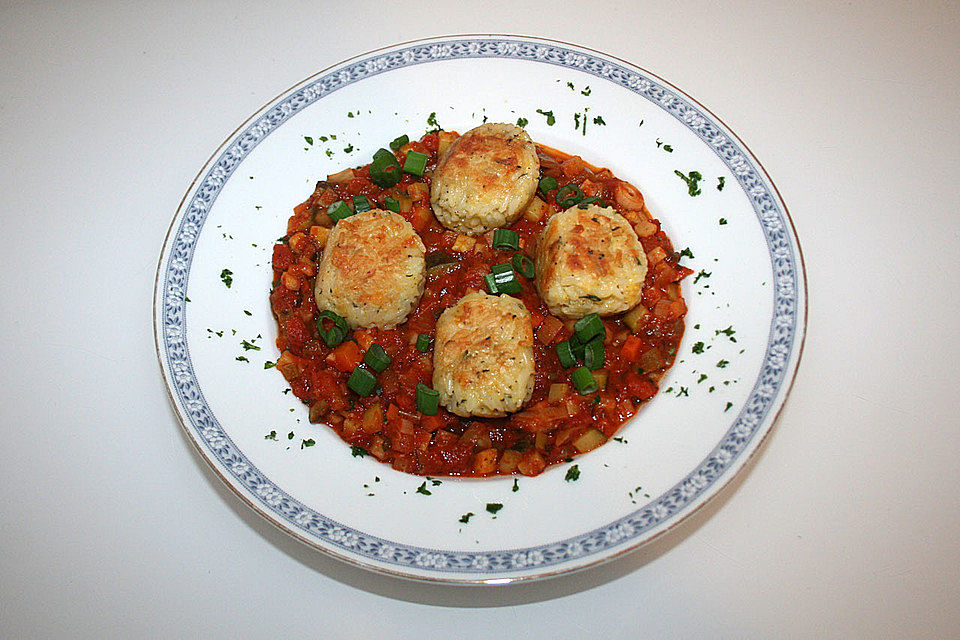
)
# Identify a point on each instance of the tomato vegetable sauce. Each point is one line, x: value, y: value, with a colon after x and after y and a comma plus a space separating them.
x: 557, y: 423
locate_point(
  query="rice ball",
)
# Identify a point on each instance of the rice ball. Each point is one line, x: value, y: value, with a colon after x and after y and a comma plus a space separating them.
x: 485, y: 179
x: 483, y: 356
x: 373, y: 270
x: 589, y: 261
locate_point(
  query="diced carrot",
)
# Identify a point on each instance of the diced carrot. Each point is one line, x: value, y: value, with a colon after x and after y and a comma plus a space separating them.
x: 346, y: 357
x: 631, y: 348
x: 393, y: 413
x: 431, y: 423
x: 364, y: 338
x: 420, y: 217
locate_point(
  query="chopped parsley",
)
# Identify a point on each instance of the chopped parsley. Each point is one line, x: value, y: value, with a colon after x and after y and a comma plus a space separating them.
x: 227, y: 276
x: 290, y: 435
x: 348, y: 148
x: 729, y: 331
x: 357, y: 452
x: 573, y: 474
x: 309, y: 140
x: 668, y: 148
x: 686, y: 252
x: 723, y: 364
x: 619, y: 439
x: 698, y: 347
x: 692, y: 181
x: 432, y: 120
x: 702, y: 274
x: 587, y: 90
x: 309, y: 442
x: 423, y: 489
x: 570, y: 84
x: 493, y: 507
x: 551, y: 120
x: 683, y: 392
x: 598, y: 120
x: 576, y: 120
x: 522, y: 122
x: 241, y: 359
x: 723, y: 221
x: 269, y: 365
x: 465, y: 518
x: 729, y: 404
x: 703, y: 377
x: 247, y: 346
x: 720, y: 182
x: 271, y: 436
x: 516, y: 485
x: 247, y: 312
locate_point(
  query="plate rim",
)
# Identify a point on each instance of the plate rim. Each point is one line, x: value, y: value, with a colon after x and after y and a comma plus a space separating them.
x: 710, y: 491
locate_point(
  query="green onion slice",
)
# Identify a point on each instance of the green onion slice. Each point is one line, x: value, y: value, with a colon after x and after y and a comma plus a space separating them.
x: 565, y: 353
x: 491, y: 284
x: 547, y: 183
x: 583, y: 203
x: 383, y: 156
x: 391, y: 204
x: 399, y: 142
x: 584, y: 381
x: 505, y: 278
x: 415, y: 163
x: 524, y: 265
x: 385, y: 169
x: 577, y: 347
x: 361, y: 203
x: 506, y: 239
x: 339, y: 210
x: 337, y: 331
x: 588, y: 327
x: 362, y: 382
x: 594, y: 354
x: 569, y: 195
x: 428, y: 400
x: 376, y: 358
x: 423, y: 343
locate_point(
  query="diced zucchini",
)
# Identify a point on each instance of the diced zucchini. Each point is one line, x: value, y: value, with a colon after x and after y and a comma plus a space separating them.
x: 591, y: 439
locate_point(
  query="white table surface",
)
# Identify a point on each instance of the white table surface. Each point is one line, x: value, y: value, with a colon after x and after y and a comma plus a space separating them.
x: 846, y: 525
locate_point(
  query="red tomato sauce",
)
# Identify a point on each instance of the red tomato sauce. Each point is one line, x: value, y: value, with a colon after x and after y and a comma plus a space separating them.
x: 557, y: 423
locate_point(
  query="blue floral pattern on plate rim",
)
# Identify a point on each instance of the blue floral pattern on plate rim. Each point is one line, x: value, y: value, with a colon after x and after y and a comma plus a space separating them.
x: 785, y: 334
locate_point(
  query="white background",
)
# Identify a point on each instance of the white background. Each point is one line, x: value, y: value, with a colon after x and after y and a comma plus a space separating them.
x: 847, y: 524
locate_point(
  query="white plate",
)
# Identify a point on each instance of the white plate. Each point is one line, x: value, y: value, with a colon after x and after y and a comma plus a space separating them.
x: 681, y: 448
